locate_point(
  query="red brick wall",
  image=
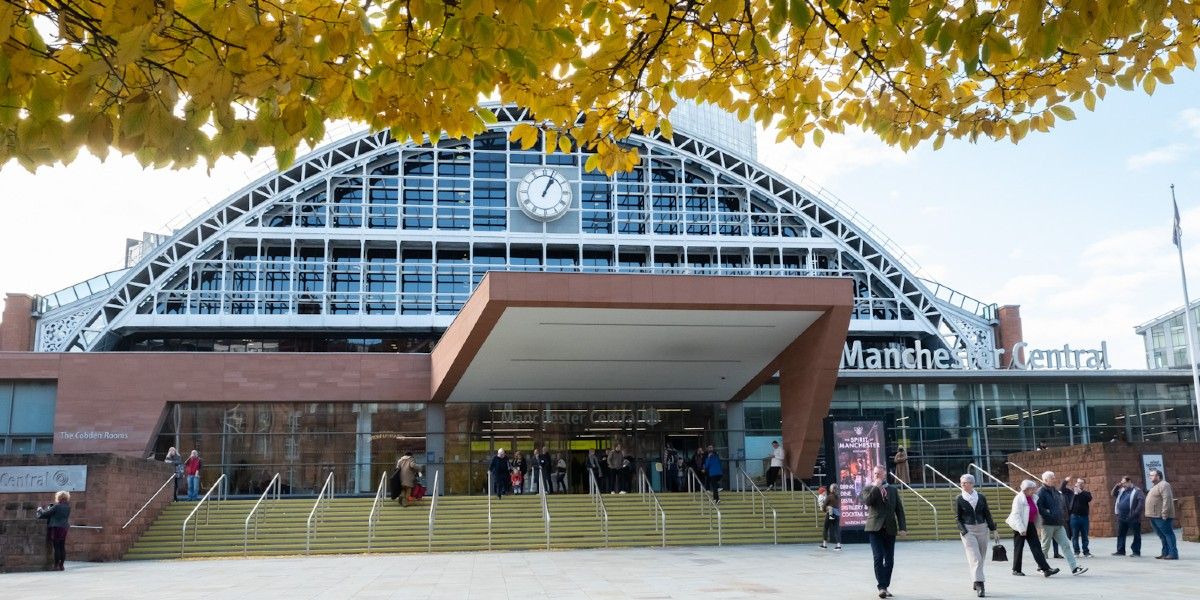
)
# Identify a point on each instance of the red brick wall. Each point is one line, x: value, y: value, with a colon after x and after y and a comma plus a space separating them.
x: 117, y: 487
x: 1104, y: 464
x: 1008, y: 331
x: 16, y: 324
x: 126, y: 393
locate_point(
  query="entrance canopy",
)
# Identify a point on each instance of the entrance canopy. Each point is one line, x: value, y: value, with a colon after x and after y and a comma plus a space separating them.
x: 591, y: 337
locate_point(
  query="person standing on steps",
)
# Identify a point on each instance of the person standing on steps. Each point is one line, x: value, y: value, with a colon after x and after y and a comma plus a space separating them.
x: 1079, y: 511
x: 885, y: 521
x: 407, y: 468
x: 500, y: 473
x: 191, y: 469
x: 831, y: 507
x: 776, y: 464
x: 1023, y: 521
x: 1160, y: 507
x: 545, y: 470
x: 1128, y: 506
x: 560, y: 474
x: 58, y: 523
x: 593, y: 467
x: 1050, y: 509
x: 176, y: 461
x: 615, y: 461
x: 521, y: 464
x: 901, y: 460
x: 713, y: 472
x: 975, y: 522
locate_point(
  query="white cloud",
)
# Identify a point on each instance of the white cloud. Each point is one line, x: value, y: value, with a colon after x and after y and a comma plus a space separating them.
x: 854, y: 151
x: 1191, y: 119
x: 1158, y: 156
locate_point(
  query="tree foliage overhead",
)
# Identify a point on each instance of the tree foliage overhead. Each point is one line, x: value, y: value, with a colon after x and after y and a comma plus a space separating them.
x: 171, y: 81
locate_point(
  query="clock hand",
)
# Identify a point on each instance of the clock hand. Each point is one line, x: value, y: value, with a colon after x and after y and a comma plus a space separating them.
x: 549, y: 180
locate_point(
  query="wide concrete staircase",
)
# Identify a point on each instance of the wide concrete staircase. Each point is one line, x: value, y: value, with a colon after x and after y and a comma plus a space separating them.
x: 461, y: 524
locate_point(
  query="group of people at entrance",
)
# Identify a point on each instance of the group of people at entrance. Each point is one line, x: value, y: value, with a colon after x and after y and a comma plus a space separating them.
x: 519, y: 474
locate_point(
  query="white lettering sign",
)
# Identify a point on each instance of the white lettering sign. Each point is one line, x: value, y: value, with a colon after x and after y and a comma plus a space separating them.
x: 49, y: 478
x: 920, y: 358
x: 92, y: 435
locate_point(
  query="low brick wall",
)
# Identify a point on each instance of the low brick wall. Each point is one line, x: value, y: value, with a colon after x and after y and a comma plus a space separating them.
x: 1104, y: 464
x: 117, y: 486
x: 1189, y: 517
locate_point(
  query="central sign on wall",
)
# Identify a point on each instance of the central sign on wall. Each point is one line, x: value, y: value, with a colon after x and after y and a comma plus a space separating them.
x: 48, y: 478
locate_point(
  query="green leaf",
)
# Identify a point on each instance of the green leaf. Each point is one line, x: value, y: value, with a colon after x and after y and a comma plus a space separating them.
x: 898, y: 9
x: 799, y: 14
x: 779, y: 13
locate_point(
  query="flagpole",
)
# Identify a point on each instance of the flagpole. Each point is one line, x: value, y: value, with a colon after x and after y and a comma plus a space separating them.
x: 1187, y: 310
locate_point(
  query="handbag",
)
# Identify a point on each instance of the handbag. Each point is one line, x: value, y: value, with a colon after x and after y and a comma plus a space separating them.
x: 999, y: 552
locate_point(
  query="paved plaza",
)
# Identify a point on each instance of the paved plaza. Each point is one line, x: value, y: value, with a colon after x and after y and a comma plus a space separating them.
x: 924, y: 570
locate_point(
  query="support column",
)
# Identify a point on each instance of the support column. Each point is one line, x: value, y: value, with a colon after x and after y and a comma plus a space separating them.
x: 16, y: 324
x: 1008, y: 332
x: 808, y: 372
x: 435, y: 444
x: 735, y: 416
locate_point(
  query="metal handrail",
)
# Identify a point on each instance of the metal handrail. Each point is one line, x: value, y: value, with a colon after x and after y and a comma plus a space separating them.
x: 993, y: 477
x: 656, y: 507
x: 936, y: 531
x: 541, y: 479
x: 373, y: 518
x: 433, y: 498
x: 1022, y: 469
x: 321, y: 497
x: 275, y: 484
x: 221, y: 494
x: 755, y: 491
x: 139, y: 511
x: 943, y: 476
x: 816, y: 498
x: 490, y: 491
x: 598, y: 503
x: 708, y: 505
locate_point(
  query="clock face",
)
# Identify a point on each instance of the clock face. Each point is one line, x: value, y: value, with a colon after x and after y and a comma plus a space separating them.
x: 544, y: 194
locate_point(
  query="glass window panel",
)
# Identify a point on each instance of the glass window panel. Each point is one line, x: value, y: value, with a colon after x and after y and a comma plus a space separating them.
x: 33, y: 408
x: 6, y: 394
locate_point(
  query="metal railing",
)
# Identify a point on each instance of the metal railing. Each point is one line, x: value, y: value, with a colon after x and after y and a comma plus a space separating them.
x: 943, y: 476
x: 708, y: 506
x: 217, y: 486
x: 274, y: 485
x: 490, y: 491
x: 139, y: 511
x: 318, y: 511
x: 598, y: 503
x: 756, y: 493
x: 373, y: 518
x: 433, y: 502
x: 541, y: 481
x: 1023, y: 470
x: 990, y: 476
x: 817, y: 515
x: 936, y: 530
x: 656, y: 507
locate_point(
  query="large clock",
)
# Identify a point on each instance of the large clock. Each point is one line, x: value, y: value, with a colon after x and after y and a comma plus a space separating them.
x: 544, y: 194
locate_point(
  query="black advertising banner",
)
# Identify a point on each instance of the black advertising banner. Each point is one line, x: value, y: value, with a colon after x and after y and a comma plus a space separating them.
x: 858, y: 448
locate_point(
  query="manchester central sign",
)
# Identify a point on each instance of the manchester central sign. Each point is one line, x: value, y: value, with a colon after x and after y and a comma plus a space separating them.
x: 920, y: 358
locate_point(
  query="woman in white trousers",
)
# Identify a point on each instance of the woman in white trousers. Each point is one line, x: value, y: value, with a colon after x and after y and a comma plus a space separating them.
x: 974, y: 524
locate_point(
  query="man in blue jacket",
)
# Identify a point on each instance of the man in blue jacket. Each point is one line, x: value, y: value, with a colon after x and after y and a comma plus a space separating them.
x: 1051, y: 511
x: 712, y: 469
x: 1129, y: 505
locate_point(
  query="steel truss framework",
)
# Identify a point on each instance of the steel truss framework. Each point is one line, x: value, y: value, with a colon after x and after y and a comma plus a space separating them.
x: 95, y: 323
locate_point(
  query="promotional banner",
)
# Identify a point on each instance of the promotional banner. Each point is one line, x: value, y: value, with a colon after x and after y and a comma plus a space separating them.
x: 858, y: 448
x: 1152, y: 461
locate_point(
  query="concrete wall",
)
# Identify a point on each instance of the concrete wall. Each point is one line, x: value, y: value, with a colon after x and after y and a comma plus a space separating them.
x: 1104, y: 464
x: 117, y: 486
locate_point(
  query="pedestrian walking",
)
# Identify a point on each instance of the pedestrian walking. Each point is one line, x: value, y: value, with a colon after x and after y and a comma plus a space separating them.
x: 191, y: 469
x: 885, y: 521
x: 560, y: 474
x: 713, y: 472
x: 776, y: 464
x: 407, y: 467
x: 500, y: 473
x: 681, y: 473
x: 545, y: 470
x: 1079, y: 511
x: 521, y: 463
x: 1050, y: 509
x: 58, y: 523
x: 1128, y: 504
x: 1160, y: 507
x: 975, y: 523
x: 830, y: 503
x: 176, y: 461
x: 1023, y: 521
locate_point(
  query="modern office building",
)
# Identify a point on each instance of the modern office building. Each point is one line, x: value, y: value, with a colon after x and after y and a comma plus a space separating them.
x: 339, y: 311
x: 1165, y: 337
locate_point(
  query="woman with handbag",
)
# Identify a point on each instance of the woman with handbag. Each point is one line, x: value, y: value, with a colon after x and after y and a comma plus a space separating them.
x: 974, y: 524
x: 1023, y: 521
x: 832, y: 507
x: 57, y: 517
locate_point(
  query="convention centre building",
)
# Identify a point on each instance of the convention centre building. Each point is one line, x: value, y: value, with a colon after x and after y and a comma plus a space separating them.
x: 455, y: 297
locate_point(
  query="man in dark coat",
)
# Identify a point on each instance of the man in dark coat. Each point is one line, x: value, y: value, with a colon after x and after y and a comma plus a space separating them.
x: 1129, y: 505
x: 885, y: 520
x: 500, y: 473
x: 544, y: 467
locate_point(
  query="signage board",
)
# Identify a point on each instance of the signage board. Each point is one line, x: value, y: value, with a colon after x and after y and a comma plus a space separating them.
x: 857, y: 448
x: 1152, y: 461
x: 48, y: 478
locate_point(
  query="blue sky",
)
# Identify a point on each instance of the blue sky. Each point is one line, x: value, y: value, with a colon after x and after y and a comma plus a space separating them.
x: 1073, y: 225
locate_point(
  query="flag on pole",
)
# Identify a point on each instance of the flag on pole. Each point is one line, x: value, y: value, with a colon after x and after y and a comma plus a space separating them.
x: 1177, y: 233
